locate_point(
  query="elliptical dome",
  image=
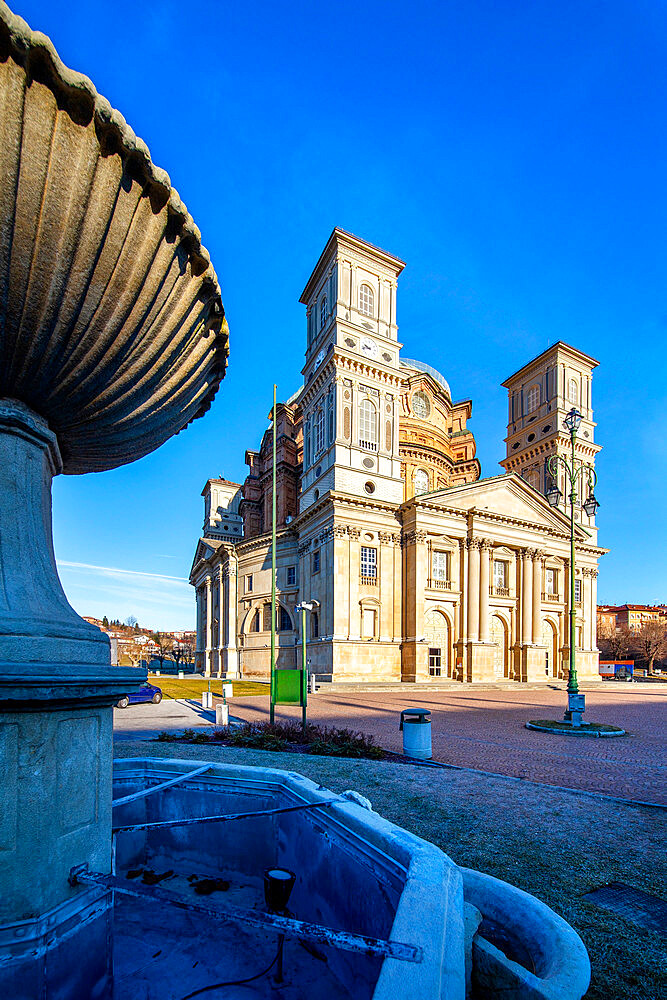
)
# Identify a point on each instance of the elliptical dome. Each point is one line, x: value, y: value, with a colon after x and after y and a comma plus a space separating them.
x: 419, y: 366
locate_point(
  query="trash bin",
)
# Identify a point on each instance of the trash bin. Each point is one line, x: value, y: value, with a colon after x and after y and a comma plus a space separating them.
x: 416, y: 728
x: 221, y: 714
x: 227, y: 689
x: 207, y: 699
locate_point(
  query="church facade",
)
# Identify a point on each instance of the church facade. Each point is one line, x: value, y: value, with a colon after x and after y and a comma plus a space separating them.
x: 421, y: 569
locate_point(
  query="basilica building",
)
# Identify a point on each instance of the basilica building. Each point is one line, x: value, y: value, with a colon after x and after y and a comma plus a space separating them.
x: 422, y: 570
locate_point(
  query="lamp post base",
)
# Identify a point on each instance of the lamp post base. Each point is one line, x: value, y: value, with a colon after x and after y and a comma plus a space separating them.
x: 576, y: 706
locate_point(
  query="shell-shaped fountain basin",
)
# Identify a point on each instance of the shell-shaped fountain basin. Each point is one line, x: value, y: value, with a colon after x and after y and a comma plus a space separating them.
x: 355, y: 873
x: 112, y: 326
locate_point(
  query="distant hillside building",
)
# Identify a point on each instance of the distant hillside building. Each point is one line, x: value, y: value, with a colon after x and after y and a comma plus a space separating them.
x: 630, y: 616
x: 422, y: 570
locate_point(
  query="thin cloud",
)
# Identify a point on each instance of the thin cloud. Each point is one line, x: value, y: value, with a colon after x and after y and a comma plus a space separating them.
x: 115, y: 571
x: 156, y: 599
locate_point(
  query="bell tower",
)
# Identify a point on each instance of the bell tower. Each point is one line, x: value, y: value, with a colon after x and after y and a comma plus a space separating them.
x: 540, y: 395
x: 352, y: 380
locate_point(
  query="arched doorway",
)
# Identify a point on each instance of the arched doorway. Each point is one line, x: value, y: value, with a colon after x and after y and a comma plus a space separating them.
x: 438, y: 640
x: 550, y: 640
x: 500, y: 656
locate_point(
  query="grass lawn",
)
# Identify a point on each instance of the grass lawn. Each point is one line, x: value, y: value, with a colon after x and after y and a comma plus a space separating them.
x: 192, y: 687
x: 552, y: 843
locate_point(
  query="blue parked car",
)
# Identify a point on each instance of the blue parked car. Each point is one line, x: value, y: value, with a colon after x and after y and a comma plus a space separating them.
x: 147, y: 692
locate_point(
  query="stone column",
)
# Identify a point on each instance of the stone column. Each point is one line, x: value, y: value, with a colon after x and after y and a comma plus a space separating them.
x: 341, y: 611
x: 594, y: 609
x: 217, y: 656
x: 526, y: 598
x: 200, y: 624
x: 354, y: 568
x: 473, y: 590
x: 537, y: 598
x: 485, y: 554
x: 209, y: 626
x: 229, y: 664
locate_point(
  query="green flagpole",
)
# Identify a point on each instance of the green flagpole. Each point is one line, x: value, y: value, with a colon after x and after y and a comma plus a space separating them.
x: 273, y: 571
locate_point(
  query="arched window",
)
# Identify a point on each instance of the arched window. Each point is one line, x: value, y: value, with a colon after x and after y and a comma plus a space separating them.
x: 532, y: 398
x: 367, y: 425
x: 366, y: 300
x: 421, y: 481
x: 314, y: 625
x: 255, y: 624
x: 319, y: 431
x: 421, y: 406
x: 284, y: 620
x: 323, y: 312
x: 533, y: 478
x: 572, y: 391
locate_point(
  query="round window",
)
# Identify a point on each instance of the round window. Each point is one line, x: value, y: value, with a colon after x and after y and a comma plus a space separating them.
x: 369, y: 487
x: 421, y: 406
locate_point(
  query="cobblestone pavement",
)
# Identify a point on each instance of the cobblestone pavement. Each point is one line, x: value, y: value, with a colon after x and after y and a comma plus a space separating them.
x: 485, y: 730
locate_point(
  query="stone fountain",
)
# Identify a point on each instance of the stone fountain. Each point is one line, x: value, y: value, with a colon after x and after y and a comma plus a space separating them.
x: 112, y: 339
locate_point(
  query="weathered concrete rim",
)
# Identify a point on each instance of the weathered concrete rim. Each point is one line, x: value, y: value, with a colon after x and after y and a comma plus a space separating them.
x: 563, y: 968
x: 78, y: 95
x: 566, y: 730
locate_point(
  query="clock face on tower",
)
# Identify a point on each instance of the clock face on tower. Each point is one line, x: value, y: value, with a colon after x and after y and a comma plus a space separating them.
x: 369, y: 347
x: 320, y: 358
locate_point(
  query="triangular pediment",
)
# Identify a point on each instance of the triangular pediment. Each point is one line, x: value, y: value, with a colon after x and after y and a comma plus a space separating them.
x: 206, y: 547
x: 509, y: 496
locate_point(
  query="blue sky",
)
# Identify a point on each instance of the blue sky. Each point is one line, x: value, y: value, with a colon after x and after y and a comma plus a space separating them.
x: 512, y: 153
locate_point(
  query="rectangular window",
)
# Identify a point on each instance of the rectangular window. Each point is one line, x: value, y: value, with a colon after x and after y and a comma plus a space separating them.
x: 499, y: 573
x: 316, y: 561
x: 291, y: 576
x: 369, y: 569
x: 266, y: 618
x: 441, y: 565
x: 550, y: 582
x: 435, y: 661
x: 248, y: 583
x: 577, y: 591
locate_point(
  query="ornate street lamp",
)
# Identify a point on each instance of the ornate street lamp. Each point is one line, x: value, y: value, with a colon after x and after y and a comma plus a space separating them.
x: 580, y: 475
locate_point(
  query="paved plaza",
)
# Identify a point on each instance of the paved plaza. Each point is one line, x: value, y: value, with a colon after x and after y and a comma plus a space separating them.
x: 480, y: 729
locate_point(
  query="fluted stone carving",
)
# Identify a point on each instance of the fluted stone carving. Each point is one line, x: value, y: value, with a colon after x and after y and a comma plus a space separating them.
x: 112, y: 327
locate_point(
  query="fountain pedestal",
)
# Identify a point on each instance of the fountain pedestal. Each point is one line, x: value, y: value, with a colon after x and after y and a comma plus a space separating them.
x: 57, y: 689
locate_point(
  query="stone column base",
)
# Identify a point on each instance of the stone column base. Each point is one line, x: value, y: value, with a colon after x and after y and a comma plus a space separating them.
x: 481, y: 657
x: 229, y: 663
x: 534, y: 664
x: 64, y: 953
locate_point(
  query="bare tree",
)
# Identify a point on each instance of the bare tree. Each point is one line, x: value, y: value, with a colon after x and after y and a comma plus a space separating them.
x: 164, y: 643
x: 614, y: 642
x: 650, y: 641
